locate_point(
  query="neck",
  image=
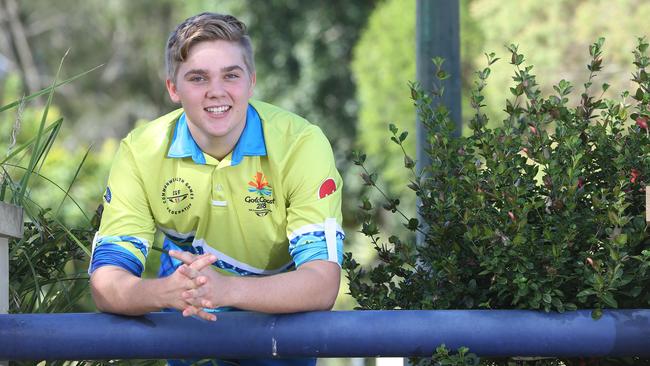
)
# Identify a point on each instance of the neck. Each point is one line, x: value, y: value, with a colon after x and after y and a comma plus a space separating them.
x: 217, y: 147
x: 218, y: 150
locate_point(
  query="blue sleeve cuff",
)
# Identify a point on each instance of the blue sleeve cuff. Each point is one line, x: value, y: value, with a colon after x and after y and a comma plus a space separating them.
x: 306, y: 249
x: 114, y: 255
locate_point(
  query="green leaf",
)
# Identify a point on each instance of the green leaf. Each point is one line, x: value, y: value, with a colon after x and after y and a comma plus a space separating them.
x: 621, y: 239
x: 54, y: 126
x: 367, y: 179
x: 608, y: 299
x: 613, y: 253
x: 74, y: 178
x: 408, y: 162
x: 519, y: 60
x: 638, y: 95
x: 366, y: 205
x: 413, y: 224
x: 438, y: 61
x: 597, y: 314
x: 369, y: 229
x: 47, y: 90
x: 613, y: 217
x: 38, y: 148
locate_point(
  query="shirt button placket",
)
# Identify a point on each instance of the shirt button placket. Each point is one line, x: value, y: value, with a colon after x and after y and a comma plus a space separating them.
x: 219, y: 196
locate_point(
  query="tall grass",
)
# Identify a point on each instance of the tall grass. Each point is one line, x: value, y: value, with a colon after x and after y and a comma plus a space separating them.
x: 42, y: 278
x: 42, y: 274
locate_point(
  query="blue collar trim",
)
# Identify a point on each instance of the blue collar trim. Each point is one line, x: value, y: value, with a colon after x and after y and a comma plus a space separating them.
x: 250, y: 143
x: 183, y: 144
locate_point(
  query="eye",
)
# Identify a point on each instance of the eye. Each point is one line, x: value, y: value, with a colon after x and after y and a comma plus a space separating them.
x: 231, y: 75
x: 196, y: 79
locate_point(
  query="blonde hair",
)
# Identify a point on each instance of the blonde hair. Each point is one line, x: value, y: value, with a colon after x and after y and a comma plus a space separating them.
x: 206, y: 27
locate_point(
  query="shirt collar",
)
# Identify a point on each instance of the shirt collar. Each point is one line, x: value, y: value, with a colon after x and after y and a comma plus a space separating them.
x: 250, y: 143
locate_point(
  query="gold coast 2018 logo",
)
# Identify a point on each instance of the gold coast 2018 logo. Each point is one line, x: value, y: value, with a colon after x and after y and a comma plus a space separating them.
x: 261, y: 202
x: 177, y: 195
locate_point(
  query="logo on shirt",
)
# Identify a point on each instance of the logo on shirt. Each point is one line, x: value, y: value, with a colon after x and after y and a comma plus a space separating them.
x: 259, y: 203
x: 259, y: 185
x: 326, y: 188
x: 177, y: 196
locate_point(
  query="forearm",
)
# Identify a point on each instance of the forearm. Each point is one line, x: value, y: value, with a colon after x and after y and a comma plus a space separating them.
x: 117, y: 291
x: 313, y: 286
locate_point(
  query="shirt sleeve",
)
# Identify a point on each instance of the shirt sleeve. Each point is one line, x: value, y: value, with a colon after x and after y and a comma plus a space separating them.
x: 127, y: 227
x: 314, y: 200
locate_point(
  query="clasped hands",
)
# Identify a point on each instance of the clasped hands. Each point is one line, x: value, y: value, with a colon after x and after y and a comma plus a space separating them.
x: 195, y: 283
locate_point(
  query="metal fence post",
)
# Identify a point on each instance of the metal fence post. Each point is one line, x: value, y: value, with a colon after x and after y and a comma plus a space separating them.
x: 437, y: 34
x: 11, y: 226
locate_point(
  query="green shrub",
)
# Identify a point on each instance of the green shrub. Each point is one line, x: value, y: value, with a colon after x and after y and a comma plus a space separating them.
x: 545, y: 212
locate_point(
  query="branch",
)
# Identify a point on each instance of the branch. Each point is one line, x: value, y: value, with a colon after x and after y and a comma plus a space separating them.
x: 24, y: 53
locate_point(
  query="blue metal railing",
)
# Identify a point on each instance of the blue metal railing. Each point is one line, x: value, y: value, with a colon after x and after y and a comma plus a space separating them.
x: 324, y: 334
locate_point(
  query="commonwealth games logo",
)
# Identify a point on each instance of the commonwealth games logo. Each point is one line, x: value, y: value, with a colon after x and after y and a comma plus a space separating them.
x: 259, y: 185
x: 259, y: 204
x: 177, y: 195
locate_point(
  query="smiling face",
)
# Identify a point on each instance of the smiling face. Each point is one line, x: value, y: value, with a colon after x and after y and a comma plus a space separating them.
x: 213, y: 85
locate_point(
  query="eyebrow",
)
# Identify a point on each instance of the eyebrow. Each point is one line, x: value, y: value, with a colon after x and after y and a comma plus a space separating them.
x: 196, y: 71
x: 205, y: 72
x: 232, y: 68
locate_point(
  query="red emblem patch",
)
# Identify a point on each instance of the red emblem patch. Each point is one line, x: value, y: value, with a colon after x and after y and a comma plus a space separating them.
x: 326, y: 188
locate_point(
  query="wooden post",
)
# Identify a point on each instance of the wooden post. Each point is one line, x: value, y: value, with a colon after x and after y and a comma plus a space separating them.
x: 11, y: 226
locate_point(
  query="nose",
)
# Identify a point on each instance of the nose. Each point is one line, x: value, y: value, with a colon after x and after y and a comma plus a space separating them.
x: 215, y: 89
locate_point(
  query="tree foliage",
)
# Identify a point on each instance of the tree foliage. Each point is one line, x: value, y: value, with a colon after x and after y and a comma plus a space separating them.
x: 304, y: 51
x: 562, y: 29
x: 384, y: 60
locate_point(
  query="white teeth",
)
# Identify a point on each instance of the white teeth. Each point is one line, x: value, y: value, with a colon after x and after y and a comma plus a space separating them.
x: 219, y: 109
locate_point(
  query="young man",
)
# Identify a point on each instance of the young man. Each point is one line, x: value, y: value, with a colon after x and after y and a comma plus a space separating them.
x: 246, y: 194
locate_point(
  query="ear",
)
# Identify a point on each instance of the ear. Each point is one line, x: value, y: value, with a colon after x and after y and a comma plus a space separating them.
x: 252, y: 86
x: 171, y: 89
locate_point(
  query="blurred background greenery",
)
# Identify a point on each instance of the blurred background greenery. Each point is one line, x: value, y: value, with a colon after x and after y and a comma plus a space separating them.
x: 344, y: 65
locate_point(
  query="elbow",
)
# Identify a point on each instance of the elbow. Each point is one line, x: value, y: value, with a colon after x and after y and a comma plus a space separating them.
x: 328, y: 297
x: 99, y: 290
x: 113, y: 290
x: 323, y: 278
x: 100, y: 306
x: 328, y: 304
x: 108, y: 296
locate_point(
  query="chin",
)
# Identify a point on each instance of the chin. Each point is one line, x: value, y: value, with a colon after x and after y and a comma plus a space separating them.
x: 219, y: 132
